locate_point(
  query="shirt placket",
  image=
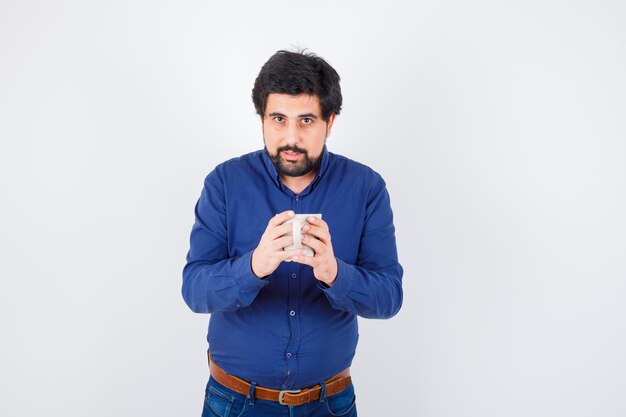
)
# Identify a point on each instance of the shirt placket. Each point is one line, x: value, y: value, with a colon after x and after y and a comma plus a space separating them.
x: 293, y: 312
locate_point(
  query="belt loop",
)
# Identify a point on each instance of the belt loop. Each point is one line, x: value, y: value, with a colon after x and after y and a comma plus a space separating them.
x: 251, y: 393
x: 323, y: 392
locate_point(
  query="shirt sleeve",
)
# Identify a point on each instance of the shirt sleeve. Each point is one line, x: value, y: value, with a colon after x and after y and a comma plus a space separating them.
x: 373, y: 287
x: 213, y: 281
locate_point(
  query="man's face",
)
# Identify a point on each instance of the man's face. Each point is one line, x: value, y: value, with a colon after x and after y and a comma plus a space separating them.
x: 295, y: 133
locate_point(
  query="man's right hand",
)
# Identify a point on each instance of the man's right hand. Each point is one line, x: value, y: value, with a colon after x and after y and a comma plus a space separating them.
x: 270, y: 251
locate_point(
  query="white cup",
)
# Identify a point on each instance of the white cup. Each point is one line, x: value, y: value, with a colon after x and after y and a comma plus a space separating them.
x: 299, y: 221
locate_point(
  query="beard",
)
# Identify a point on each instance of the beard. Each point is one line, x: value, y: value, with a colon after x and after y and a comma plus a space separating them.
x: 295, y: 169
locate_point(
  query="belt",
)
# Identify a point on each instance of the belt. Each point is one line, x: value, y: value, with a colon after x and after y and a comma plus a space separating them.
x: 334, y: 385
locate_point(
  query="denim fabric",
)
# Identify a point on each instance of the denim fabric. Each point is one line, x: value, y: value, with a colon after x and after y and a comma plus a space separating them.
x: 220, y: 401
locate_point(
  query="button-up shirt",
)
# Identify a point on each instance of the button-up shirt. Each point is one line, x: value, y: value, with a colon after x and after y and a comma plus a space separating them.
x: 289, y: 330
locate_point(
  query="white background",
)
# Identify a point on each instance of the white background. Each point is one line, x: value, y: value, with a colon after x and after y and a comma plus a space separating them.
x: 498, y: 126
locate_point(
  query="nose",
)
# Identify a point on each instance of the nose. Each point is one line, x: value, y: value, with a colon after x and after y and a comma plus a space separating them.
x: 293, y: 134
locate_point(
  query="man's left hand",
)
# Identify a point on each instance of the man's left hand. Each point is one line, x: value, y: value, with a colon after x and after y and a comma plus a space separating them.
x: 317, y: 236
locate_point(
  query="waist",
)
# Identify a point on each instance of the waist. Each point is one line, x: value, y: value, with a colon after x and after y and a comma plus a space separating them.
x: 330, y: 386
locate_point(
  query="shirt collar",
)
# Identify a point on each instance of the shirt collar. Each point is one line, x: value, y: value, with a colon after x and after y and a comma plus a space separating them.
x: 271, y: 169
x: 323, y: 168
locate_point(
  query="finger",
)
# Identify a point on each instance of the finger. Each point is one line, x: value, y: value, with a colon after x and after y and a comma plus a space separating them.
x: 306, y: 260
x: 281, y: 243
x: 317, y: 245
x: 316, y: 221
x: 290, y: 254
x: 319, y: 232
x: 279, y: 231
x: 280, y: 218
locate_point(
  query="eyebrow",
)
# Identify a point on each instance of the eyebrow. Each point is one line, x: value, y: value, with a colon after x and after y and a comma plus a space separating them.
x: 278, y: 114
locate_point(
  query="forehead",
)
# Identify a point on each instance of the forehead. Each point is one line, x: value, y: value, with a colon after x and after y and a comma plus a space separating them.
x: 292, y: 106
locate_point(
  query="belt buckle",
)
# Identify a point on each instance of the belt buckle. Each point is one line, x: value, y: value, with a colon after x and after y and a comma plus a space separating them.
x: 281, y: 394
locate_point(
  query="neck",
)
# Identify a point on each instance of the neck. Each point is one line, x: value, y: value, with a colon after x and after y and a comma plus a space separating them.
x: 298, y: 184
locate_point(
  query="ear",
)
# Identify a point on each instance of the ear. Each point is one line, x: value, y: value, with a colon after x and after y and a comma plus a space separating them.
x: 329, y: 124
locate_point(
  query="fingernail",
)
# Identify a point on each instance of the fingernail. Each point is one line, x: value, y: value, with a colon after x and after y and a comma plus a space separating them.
x: 311, y: 219
x: 305, y: 228
x: 290, y: 213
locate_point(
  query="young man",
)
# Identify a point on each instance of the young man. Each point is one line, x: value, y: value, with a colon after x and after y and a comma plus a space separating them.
x: 283, y: 328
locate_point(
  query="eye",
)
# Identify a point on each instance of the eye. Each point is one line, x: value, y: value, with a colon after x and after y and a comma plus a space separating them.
x: 279, y: 119
x: 307, y: 120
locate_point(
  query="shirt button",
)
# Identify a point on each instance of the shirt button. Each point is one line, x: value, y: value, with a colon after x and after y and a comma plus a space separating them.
x: 292, y: 313
x: 293, y: 275
x: 297, y: 198
x: 289, y: 354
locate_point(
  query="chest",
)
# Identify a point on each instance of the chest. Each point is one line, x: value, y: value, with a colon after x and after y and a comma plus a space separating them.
x: 342, y: 208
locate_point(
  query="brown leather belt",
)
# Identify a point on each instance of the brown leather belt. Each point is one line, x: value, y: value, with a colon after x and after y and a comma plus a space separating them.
x: 334, y: 385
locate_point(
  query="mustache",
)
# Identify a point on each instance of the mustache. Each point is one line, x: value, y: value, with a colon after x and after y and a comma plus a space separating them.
x: 292, y: 148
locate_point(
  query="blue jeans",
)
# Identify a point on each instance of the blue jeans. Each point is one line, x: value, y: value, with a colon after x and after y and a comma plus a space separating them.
x: 220, y: 401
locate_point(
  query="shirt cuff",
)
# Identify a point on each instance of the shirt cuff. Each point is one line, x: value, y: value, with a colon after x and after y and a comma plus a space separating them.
x: 244, y: 277
x: 343, y: 283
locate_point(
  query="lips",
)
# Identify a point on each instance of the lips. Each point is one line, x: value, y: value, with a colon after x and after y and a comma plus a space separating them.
x: 290, y: 155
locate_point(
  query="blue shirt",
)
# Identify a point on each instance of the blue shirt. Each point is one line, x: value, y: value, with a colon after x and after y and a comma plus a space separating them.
x: 290, y: 331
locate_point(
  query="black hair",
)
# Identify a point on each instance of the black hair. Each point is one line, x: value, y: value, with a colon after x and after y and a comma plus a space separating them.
x: 297, y: 73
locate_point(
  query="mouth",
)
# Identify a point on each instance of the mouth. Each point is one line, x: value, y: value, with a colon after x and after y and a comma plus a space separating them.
x: 291, y: 156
